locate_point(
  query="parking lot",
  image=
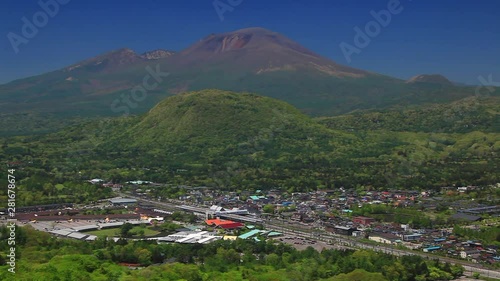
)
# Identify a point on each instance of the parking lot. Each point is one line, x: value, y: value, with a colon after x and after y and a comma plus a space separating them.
x: 302, y: 243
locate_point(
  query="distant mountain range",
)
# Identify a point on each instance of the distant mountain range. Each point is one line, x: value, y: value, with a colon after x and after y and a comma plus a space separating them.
x: 251, y: 60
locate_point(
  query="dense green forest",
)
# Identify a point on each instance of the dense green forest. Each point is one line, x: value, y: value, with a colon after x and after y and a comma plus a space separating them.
x: 244, y: 141
x: 42, y: 257
x: 462, y: 116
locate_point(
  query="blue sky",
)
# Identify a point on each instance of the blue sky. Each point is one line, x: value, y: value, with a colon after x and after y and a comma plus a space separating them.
x: 457, y: 38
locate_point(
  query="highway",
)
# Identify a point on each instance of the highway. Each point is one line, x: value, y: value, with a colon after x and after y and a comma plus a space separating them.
x: 339, y: 241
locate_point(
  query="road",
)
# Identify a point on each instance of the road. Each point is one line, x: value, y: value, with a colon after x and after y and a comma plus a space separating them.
x: 338, y: 240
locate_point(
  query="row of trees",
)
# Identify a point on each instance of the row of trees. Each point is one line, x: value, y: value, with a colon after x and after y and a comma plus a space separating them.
x: 42, y: 257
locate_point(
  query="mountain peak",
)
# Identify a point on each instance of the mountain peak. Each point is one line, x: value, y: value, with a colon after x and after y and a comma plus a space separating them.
x: 256, y: 38
x: 107, y: 62
x: 260, y: 50
x: 157, y: 54
x: 430, y: 78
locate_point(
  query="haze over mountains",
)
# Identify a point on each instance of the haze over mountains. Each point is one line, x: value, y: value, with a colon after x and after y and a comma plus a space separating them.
x: 253, y: 60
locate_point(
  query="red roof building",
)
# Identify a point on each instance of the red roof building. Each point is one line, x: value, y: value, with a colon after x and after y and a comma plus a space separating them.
x: 225, y: 224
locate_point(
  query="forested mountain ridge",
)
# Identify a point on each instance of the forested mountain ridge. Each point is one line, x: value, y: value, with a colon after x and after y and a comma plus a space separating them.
x: 462, y: 116
x: 232, y: 140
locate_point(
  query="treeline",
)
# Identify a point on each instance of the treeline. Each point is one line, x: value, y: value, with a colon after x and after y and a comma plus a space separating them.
x: 38, y: 187
x: 379, y: 160
x: 488, y: 235
x: 52, y: 178
x: 42, y: 257
x: 462, y: 116
x: 400, y: 215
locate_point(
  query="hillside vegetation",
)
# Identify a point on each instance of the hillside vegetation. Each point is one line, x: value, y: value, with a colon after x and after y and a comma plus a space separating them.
x: 46, y: 258
x: 462, y: 116
x: 245, y: 141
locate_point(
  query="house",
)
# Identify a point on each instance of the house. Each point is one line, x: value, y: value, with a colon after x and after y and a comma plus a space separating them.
x: 357, y: 233
x: 491, y: 249
x: 431, y: 249
x: 320, y: 208
x: 412, y: 237
x: 224, y: 224
x: 342, y: 230
x: 465, y: 217
x: 155, y: 219
x: 259, y: 198
x: 230, y: 237
x: 123, y: 201
x: 139, y: 182
x: 382, y: 237
x: 468, y: 253
x: 250, y: 234
x: 96, y: 181
x: 363, y: 220
x: 475, y: 258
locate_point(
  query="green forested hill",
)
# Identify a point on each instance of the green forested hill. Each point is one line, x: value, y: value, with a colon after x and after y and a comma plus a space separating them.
x: 462, y: 116
x: 245, y: 141
x: 216, y: 118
